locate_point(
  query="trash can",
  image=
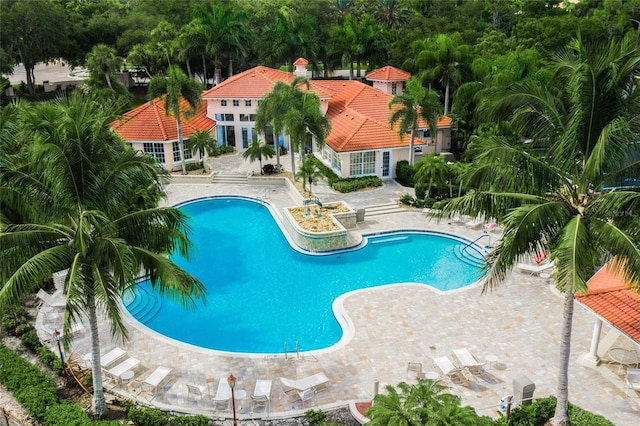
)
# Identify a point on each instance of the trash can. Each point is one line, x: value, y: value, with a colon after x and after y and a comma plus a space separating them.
x: 523, y: 389
x: 360, y: 215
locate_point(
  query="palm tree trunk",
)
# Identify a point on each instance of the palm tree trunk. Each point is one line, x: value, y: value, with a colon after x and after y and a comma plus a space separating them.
x: 276, y: 142
x: 413, y: 132
x: 446, y: 99
x: 99, y: 406
x: 204, y: 72
x: 106, y: 76
x: 189, y: 68
x: 181, y: 144
x: 429, y: 188
x: 561, y: 415
x: 292, y: 152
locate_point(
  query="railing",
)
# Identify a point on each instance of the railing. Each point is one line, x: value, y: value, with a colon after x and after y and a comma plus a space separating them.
x: 475, y: 241
x: 297, y: 351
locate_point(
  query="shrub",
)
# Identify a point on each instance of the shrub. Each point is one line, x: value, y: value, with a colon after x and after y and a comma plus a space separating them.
x: 16, y: 323
x: 37, y: 399
x: 407, y: 200
x: 315, y: 417
x: 67, y: 414
x: 420, y: 190
x: 198, y: 420
x: 50, y: 359
x: 147, y: 416
x: 405, y: 173
x: 31, y: 341
x: 356, y: 183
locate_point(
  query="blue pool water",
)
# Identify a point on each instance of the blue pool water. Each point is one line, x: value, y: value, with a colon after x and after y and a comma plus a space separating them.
x: 261, y: 292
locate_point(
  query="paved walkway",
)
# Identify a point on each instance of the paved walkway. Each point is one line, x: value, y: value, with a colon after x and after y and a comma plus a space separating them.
x: 518, y: 323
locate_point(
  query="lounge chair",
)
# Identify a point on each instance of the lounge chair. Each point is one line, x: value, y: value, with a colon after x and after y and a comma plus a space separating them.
x: 196, y: 391
x: 223, y: 396
x: 468, y: 361
x: 476, y: 222
x: 109, y: 358
x: 53, y: 300
x: 261, y: 396
x: 318, y: 382
x: 632, y: 379
x: 450, y: 371
x: 306, y: 395
x: 154, y: 379
x: 115, y: 374
x: 535, y: 269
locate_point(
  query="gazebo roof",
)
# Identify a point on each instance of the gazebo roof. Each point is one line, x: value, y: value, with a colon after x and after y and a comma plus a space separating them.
x: 610, y: 298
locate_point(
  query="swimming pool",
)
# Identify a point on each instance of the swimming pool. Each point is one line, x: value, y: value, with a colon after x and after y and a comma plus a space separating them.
x: 262, y: 292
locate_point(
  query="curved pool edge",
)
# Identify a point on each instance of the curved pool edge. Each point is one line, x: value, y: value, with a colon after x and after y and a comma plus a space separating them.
x: 340, y: 313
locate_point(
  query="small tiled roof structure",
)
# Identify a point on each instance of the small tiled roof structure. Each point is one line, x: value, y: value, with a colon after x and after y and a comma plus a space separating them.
x: 148, y: 123
x: 301, y: 61
x: 610, y: 298
x: 388, y: 73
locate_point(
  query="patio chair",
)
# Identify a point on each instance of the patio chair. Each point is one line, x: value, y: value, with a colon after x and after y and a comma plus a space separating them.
x: 306, y: 395
x: 223, y: 396
x: 535, y: 269
x: 632, y: 379
x: 196, y: 391
x: 468, y: 361
x: 450, y: 371
x: 261, y: 396
x: 105, y: 360
x: 52, y: 300
x: 318, y: 382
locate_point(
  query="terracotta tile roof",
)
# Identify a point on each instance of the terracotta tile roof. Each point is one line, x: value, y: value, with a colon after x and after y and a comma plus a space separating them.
x: 301, y: 61
x: 360, y: 117
x: 250, y: 84
x: 254, y: 84
x: 611, y: 299
x: 148, y: 122
x: 388, y: 73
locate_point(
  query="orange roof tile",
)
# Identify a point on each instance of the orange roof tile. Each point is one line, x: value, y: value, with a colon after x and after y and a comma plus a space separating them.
x: 610, y: 298
x: 388, y: 73
x: 148, y: 122
x: 301, y: 61
x: 359, y: 117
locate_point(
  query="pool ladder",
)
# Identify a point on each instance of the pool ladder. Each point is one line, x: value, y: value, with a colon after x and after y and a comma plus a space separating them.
x: 297, y: 352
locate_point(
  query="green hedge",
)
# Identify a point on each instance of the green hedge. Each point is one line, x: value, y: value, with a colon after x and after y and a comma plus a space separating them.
x: 405, y: 173
x: 539, y: 413
x: 152, y: 417
x: 347, y: 184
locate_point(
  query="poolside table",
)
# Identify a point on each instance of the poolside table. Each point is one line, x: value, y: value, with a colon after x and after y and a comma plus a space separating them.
x: 623, y: 357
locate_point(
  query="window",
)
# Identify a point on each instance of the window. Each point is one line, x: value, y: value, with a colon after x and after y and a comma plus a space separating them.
x: 224, y: 117
x: 332, y: 157
x: 362, y: 163
x: 176, y: 153
x: 247, y: 103
x: 236, y: 102
x: 247, y: 117
x: 226, y: 135
x: 223, y: 102
x: 249, y: 135
x: 156, y: 149
x: 394, y: 88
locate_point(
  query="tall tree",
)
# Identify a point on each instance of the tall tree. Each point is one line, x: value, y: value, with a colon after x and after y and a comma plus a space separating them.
x: 182, y: 98
x: 442, y: 59
x: 201, y: 143
x: 587, y: 118
x: 33, y: 32
x: 257, y: 151
x: 408, y: 108
x: 102, y: 64
x: 78, y: 186
x: 223, y: 28
x: 431, y: 168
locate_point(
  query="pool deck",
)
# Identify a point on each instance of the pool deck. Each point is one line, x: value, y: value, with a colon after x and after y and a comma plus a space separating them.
x: 518, y: 323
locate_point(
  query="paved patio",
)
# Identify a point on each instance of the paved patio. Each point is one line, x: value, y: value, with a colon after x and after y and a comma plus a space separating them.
x: 518, y: 323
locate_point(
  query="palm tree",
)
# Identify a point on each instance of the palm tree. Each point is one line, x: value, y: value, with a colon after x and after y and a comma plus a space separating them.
x: 442, y: 59
x: 431, y: 168
x: 78, y: 185
x: 257, y: 151
x: 102, y: 60
x: 416, y: 104
x: 588, y: 118
x: 449, y: 412
x: 391, y: 408
x: 177, y: 87
x: 310, y: 173
x: 201, y: 143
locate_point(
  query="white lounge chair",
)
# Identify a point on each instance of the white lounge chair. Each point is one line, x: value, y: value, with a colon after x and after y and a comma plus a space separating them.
x: 199, y: 391
x: 306, y: 395
x: 53, y: 300
x: 450, y: 371
x: 261, y: 396
x: 154, y: 379
x: 115, y: 374
x: 476, y: 222
x: 223, y: 396
x: 535, y: 269
x: 318, y: 381
x: 632, y: 379
x: 109, y: 358
x: 468, y: 361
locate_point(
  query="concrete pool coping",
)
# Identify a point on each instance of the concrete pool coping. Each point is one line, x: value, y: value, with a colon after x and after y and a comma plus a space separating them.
x: 397, y: 324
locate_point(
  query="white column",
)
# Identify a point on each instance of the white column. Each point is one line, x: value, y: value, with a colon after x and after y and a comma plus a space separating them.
x: 592, y: 356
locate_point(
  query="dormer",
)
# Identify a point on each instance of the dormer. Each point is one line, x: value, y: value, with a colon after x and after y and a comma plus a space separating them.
x: 301, y: 67
x: 388, y: 79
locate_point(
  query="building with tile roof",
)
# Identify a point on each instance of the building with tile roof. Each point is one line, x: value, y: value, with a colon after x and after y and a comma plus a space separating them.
x: 149, y: 129
x: 361, y: 141
x: 611, y: 300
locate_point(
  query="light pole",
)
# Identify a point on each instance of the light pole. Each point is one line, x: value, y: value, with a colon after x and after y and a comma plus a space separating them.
x: 57, y: 336
x: 232, y: 384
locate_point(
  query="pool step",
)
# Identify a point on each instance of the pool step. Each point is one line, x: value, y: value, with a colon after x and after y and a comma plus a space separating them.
x: 380, y: 209
x: 230, y: 179
x: 144, y: 305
